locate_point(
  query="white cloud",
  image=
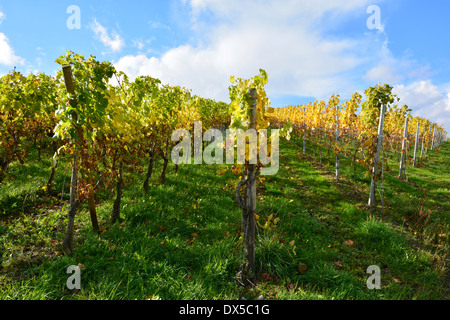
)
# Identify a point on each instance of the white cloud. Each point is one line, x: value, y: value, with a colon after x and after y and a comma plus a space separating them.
x: 158, y: 25
x: 384, y: 73
x: 2, y: 17
x: 7, y: 56
x: 427, y: 101
x: 114, y: 42
x: 295, y: 42
x: 284, y: 39
x: 138, y: 44
x: 394, y: 70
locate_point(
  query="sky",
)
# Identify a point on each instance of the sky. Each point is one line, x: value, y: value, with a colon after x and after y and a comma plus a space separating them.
x: 311, y: 49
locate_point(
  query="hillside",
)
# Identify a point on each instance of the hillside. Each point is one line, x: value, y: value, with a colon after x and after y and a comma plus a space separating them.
x: 315, y: 240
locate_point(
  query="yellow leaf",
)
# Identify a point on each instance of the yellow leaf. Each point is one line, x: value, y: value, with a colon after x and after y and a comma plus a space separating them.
x: 237, y: 170
x: 222, y: 171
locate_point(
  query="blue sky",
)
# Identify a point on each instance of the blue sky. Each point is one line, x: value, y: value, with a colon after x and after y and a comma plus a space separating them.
x: 311, y: 49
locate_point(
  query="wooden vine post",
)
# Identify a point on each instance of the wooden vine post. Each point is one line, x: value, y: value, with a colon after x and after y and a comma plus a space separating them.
x: 434, y: 136
x: 248, y: 206
x: 423, y: 141
x: 416, y: 145
x: 428, y: 142
x: 67, y: 244
x: 405, y: 139
x: 304, y: 131
x: 337, y: 142
x: 377, y: 156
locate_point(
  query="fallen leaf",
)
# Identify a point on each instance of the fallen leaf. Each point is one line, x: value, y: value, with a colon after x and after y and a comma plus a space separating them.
x: 397, y: 280
x: 338, y: 263
x: 302, y: 267
x: 349, y: 243
x: 267, y: 276
x: 81, y: 266
x: 222, y: 171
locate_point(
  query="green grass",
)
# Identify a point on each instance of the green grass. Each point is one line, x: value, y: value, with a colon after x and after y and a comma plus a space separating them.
x: 182, y: 240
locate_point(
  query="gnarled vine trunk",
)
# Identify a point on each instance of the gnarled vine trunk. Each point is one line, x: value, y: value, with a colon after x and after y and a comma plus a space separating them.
x: 149, y: 170
x: 116, y: 208
x: 67, y: 244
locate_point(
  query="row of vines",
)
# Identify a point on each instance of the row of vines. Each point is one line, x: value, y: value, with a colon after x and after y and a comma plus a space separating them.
x: 104, y: 125
x: 100, y: 122
x: 349, y: 129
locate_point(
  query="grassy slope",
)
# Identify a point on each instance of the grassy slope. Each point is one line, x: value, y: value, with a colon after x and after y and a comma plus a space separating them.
x: 181, y: 241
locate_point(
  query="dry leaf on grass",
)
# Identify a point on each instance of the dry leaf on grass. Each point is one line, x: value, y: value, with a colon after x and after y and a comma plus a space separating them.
x: 267, y: 276
x: 349, y: 243
x: 302, y: 267
x: 396, y: 280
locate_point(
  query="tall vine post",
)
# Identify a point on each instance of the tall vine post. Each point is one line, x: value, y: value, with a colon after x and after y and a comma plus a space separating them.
x: 377, y: 156
x: 248, y: 204
x: 337, y: 142
x: 403, y: 155
x: 416, y: 144
x: 67, y: 244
